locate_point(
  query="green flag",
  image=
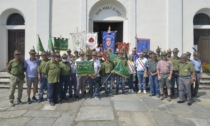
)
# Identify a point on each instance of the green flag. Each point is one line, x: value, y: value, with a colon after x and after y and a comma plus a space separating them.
x: 50, y: 45
x: 39, y: 45
x: 60, y: 44
x: 121, y: 70
x: 85, y: 67
x: 113, y: 57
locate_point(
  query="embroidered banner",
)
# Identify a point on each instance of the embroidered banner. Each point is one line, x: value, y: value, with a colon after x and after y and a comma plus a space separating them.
x: 109, y: 40
x: 85, y: 67
x: 60, y: 43
x: 142, y: 44
x: 91, y: 40
x: 122, y: 45
x: 78, y: 41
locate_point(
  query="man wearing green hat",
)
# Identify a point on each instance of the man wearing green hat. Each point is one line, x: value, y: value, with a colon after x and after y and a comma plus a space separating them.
x: 65, y: 77
x: 186, y: 70
x: 175, y: 76
x: 164, y: 71
x: 16, y: 69
x: 53, y: 72
x: 42, y: 76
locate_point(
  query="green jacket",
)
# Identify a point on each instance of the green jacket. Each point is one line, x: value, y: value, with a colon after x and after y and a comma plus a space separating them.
x: 175, y: 62
x: 53, y: 72
x: 107, y: 67
x: 41, y: 67
x: 65, y: 68
x: 16, y: 68
x: 186, y: 69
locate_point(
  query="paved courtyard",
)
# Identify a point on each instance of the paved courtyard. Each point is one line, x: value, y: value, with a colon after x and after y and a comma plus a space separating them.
x: 119, y: 110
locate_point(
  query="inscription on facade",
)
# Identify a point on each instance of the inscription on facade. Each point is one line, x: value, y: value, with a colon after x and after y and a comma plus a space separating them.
x: 108, y: 8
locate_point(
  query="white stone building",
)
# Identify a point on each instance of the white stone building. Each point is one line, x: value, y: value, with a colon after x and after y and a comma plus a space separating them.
x: 168, y: 23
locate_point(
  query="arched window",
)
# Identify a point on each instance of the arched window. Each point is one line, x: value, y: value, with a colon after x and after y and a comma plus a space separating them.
x: 201, y: 19
x: 15, y: 19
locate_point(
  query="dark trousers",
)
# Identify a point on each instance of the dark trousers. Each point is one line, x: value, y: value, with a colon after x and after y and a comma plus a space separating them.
x: 194, y: 88
x: 73, y: 82
x: 175, y: 79
x: 65, y: 80
x: 130, y: 81
x: 93, y: 86
x: 154, y: 85
x: 43, y: 85
x: 53, y: 91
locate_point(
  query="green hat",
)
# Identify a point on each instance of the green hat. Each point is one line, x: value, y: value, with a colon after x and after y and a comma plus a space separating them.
x: 81, y: 53
x: 151, y: 52
x: 64, y: 55
x: 195, y: 54
x: 75, y: 51
x: 184, y: 55
x: 175, y: 50
x: 158, y: 49
x: 37, y: 54
x: 188, y: 53
x: 16, y: 52
x: 164, y: 54
x: 69, y: 50
x: 53, y: 54
x: 169, y: 50
x: 32, y: 51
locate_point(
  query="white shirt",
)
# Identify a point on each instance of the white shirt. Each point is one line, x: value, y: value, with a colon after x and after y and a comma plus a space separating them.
x: 139, y: 67
x: 97, y: 65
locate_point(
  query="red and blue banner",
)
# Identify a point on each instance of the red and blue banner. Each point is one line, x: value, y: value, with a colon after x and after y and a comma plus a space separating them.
x: 142, y: 44
x: 109, y: 40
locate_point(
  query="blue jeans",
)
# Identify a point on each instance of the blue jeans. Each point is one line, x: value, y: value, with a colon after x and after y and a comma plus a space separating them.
x: 154, y: 86
x: 65, y: 80
x: 141, y: 80
x: 93, y: 86
x: 130, y: 81
x: 53, y: 91
x: 175, y: 78
x: 110, y: 79
x: 73, y: 82
x: 43, y: 85
x: 118, y: 77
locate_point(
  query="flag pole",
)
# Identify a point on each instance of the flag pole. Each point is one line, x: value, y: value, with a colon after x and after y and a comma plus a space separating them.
x: 105, y: 81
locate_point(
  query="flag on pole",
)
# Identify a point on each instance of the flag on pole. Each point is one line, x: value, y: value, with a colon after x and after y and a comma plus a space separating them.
x: 39, y: 45
x: 78, y: 41
x: 91, y: 40
x: 109, y: 40
x: 50, y: 45
x: 142, y: 44
x: 113, y: 57
x: 121, y: 70
x: 60, y: 43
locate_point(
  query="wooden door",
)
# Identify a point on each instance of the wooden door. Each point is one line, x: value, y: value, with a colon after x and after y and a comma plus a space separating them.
x: 16, y: 41
x: 204, y: 49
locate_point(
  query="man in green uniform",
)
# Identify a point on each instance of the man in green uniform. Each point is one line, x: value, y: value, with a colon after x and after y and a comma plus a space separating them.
x: 158, y: 53
x: 76, y: 54
x: 65, y: 77
x: 42, y: 76
x: 186, y: 70
x: 118, y: 77
x: 16, y: 69
x: 169, y: 53
x: 175, y: 76
x: 107, y: 68
x: 53, y: 72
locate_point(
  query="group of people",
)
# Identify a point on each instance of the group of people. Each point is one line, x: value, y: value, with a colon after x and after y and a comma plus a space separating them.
x: 57, y: 75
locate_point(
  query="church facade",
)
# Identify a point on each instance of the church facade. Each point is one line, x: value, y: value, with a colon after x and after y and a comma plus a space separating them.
x: 181, y: 24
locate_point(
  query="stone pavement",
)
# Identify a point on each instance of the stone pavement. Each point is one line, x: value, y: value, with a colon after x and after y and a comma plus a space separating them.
x: 119, y: 110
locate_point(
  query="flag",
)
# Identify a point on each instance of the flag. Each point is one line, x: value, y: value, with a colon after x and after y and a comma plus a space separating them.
x: 142, y: 45
x: 85, y: 67
x: 109, y: 40
x: 78, y: 41
x: 91, y: 40
x: 121, y: 70
x: 60, y: 43
x: 122, y: 45
x: 50, y: 45
x: 39, y: 45
x: 113, y: 57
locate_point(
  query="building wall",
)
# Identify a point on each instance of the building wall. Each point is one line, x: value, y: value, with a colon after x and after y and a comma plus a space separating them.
x: 28, y: 9
x: 189, y: 11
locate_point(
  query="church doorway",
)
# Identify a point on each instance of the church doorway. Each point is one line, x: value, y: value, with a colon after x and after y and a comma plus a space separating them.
x: 99, y: 27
